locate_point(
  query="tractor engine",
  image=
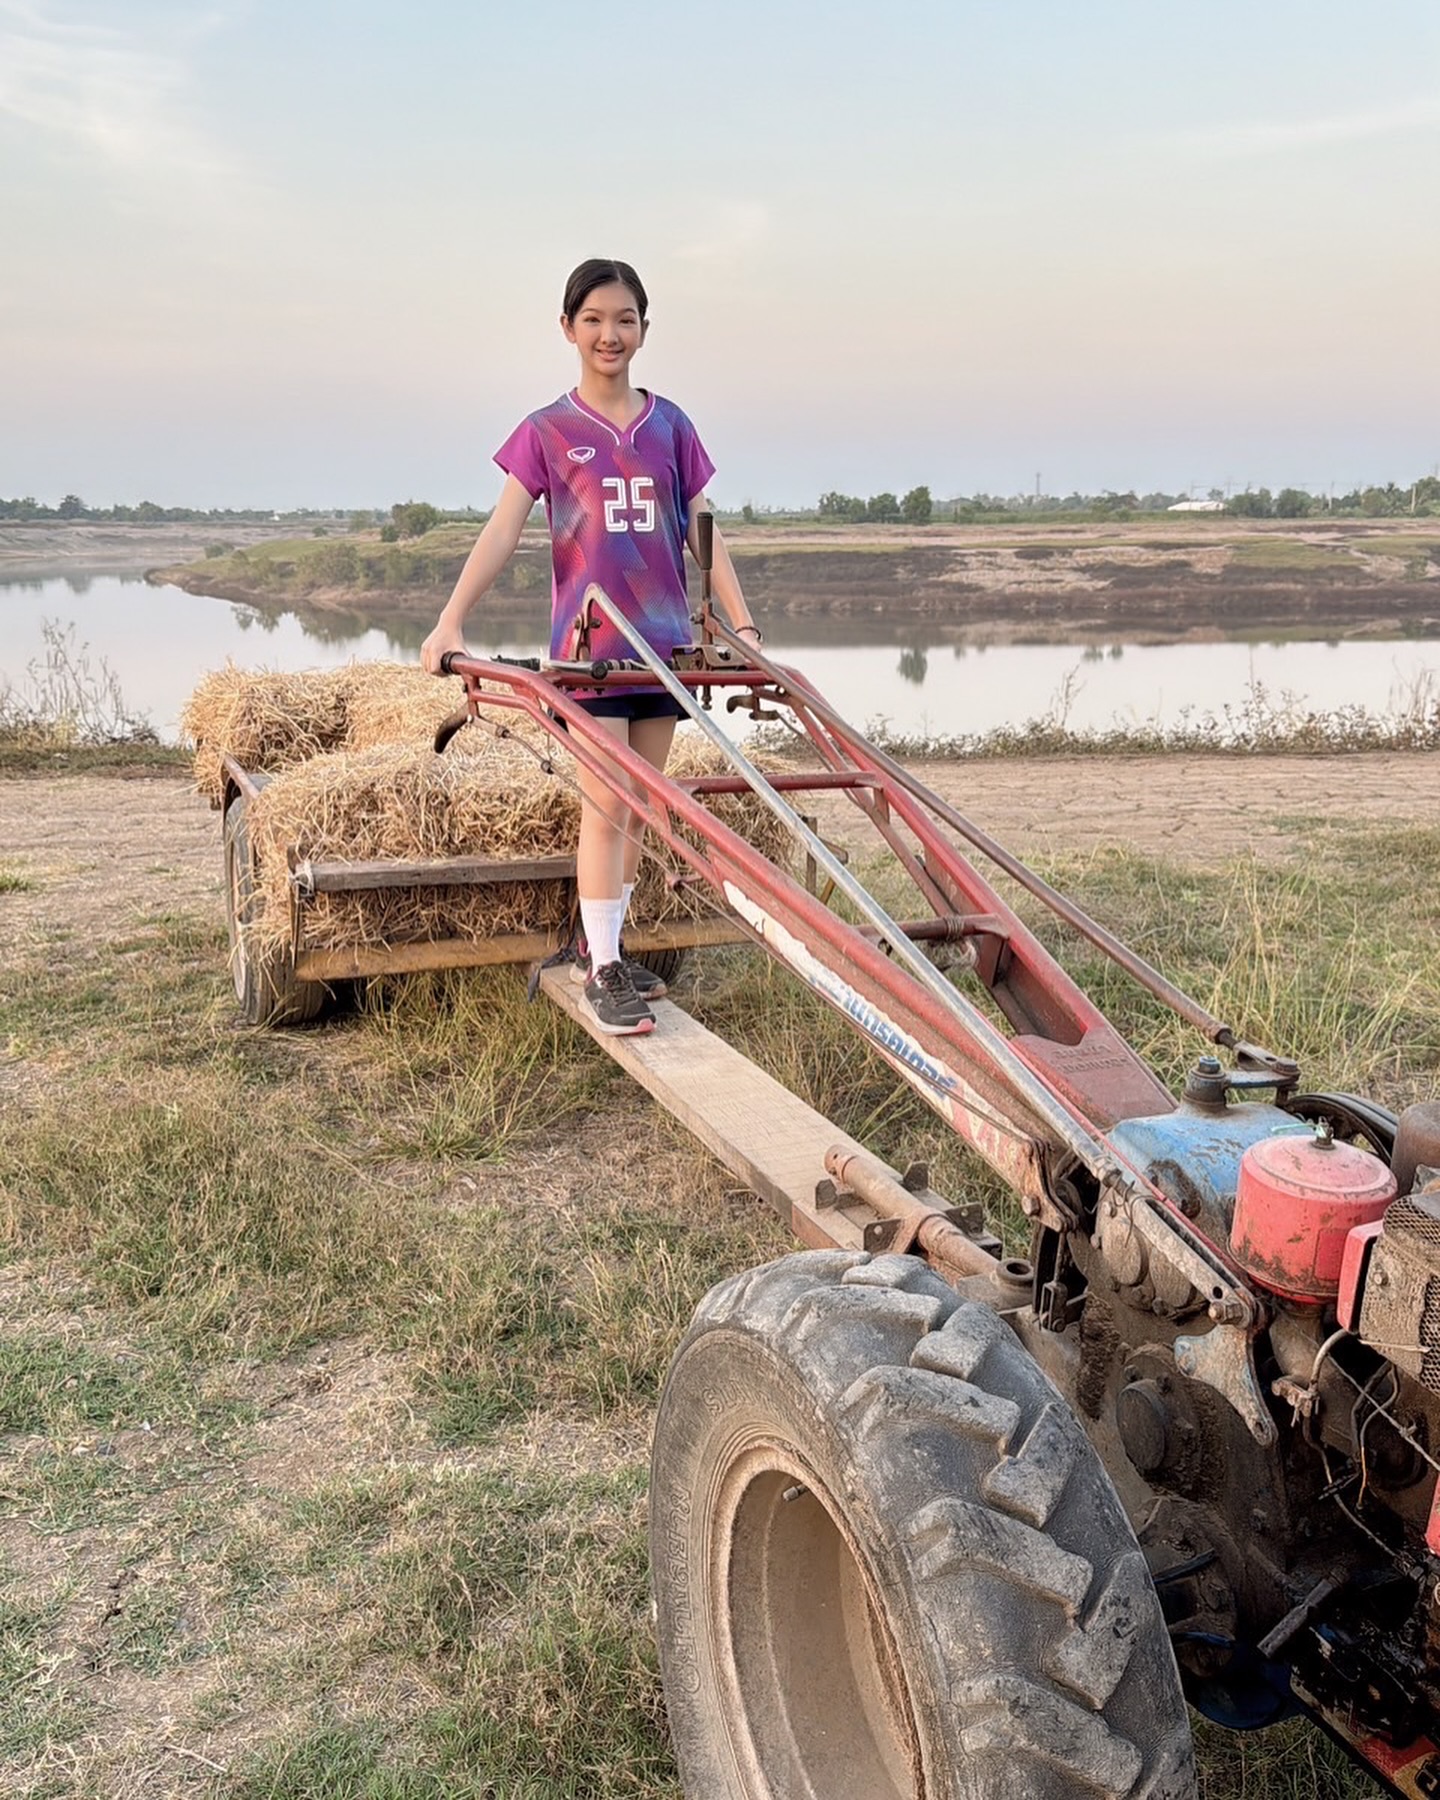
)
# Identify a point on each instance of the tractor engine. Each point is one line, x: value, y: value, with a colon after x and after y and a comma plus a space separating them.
x: 1306, y: 1570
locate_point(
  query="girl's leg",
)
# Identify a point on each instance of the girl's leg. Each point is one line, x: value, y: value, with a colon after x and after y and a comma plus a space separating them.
x: 650, y: 738
x: 605, y: 821
x: 607, y: 863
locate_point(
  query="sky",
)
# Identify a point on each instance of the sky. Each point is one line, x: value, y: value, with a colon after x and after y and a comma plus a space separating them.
x: 310, y: 253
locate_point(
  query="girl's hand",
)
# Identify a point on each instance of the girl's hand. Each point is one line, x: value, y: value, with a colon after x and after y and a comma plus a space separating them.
x: 444, y: 638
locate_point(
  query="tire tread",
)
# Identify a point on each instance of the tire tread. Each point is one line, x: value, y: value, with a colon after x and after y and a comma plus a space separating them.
x: 964, y: 1459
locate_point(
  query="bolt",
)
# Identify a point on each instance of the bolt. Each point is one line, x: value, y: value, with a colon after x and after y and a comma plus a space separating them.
x: 794, y: 1493
x: 1227, y: 1312
x: 1029, y: 1205
x: 1259, y: 1520
x: 1207, y: 1065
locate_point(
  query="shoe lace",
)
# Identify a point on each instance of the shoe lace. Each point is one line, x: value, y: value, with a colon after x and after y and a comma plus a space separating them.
x: 615, y: 979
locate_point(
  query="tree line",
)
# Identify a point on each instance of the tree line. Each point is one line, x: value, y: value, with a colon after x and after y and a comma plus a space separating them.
x: 917, y: 508
x: 147, y: 512
x: 414, y: 518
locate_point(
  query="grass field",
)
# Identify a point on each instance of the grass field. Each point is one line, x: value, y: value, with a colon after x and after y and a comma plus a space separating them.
x: 327, y: 1358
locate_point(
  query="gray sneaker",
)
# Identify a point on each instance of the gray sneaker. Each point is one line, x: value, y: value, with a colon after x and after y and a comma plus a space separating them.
x: 646, y: 983
x: 618, y: 1009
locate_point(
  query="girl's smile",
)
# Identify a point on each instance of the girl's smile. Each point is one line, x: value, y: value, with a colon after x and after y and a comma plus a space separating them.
x: 607, y: 330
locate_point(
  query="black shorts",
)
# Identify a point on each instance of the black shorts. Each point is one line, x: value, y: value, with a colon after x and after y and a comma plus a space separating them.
x: 630, y: 706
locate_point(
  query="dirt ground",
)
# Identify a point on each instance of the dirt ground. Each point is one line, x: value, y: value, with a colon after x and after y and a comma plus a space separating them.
x: 106, y: 853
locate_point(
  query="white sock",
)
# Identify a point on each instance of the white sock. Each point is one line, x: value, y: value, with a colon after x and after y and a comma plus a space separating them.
x: 602, y: 920
x: 627, y: 894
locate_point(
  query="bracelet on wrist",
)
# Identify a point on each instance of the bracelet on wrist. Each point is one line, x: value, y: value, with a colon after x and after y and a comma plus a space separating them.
x: 759, y: 635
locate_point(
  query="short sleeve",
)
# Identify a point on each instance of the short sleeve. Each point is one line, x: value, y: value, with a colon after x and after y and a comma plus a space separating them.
x: 523, y: 456
x: 695, y: 465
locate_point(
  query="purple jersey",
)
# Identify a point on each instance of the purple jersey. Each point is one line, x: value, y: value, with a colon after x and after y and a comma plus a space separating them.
x: 618, y: 503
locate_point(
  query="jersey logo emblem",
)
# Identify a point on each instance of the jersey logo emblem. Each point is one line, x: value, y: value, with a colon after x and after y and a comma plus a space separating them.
x: 581, y: 453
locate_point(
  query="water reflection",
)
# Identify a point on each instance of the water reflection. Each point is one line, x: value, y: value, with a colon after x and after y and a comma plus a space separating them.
x: 914, y: 664
x: 159, y: 641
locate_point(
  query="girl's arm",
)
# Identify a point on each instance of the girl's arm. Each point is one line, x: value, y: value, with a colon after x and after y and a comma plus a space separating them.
x: 493, y: 549
x: 724, y: 582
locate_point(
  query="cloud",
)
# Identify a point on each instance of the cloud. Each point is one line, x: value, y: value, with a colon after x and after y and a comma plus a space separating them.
x: 101, y: 88
x: 1260, y: 138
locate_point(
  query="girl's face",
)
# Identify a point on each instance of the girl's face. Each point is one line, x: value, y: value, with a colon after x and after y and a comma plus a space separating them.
x: 607, y: 330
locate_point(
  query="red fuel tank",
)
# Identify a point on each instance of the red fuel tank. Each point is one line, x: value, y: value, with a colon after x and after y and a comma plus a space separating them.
x: 1296, y: 1201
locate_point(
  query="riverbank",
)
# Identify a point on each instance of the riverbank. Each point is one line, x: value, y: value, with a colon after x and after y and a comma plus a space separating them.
x: 1155, y: 581
x: 33, y: 551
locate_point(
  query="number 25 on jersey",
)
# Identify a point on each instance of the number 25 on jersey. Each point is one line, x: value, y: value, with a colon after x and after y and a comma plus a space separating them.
x: 632, y: 510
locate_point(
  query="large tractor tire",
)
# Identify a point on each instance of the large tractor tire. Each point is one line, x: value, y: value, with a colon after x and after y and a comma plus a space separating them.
x: 888, y: 1564
x: 264, y: 974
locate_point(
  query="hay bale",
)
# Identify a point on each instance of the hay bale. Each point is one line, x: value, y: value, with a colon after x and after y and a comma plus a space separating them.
x: 395, y: 703
x: 492, y: 798
x: 355, y: 778
x: 266, y: 719
x: 269, y: 721
x: 406, y: 804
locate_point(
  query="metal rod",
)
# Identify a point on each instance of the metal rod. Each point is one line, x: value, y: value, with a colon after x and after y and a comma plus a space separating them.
x: 1136, y: 966
x: 881, y: 1190
x: 813, y: 781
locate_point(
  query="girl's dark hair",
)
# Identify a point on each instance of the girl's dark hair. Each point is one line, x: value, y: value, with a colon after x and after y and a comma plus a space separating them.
x: 600, y: 271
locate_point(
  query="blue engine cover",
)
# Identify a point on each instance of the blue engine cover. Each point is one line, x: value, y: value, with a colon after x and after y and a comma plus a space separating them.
x: 1193, y: 1154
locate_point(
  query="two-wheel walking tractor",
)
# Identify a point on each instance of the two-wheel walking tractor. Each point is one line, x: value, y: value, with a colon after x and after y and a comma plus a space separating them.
x: 931, y: 1521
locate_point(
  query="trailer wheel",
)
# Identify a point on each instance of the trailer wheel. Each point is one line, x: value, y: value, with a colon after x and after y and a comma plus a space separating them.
x: 888, y: 1564
x: 264, y: 976
x: 664, y: 963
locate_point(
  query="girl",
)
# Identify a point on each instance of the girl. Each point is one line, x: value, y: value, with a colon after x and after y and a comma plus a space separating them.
x: 623, y: 474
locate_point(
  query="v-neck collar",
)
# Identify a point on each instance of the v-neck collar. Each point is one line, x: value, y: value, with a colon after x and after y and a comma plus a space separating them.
x: 615, y: 431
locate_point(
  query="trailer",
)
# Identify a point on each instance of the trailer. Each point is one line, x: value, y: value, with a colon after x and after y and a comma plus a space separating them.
x: 289, y: 980
x: 931, y: 1520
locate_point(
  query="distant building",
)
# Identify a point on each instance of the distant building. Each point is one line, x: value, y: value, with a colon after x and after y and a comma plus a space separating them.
x: 1197, y: 506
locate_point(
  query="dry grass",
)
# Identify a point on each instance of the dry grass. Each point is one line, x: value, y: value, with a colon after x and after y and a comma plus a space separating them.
x: 324, y: 1465
x: 67, y: 702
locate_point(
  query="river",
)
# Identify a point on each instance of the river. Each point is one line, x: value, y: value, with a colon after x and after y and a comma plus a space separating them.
x: 158, y: 641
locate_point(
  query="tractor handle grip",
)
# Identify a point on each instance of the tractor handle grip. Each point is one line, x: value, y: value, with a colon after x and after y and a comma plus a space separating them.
x: 447, y: 661
x: 705, y: 540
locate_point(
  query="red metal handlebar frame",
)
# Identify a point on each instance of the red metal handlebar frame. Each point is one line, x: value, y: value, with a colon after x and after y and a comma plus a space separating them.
x: 1076, y: 1055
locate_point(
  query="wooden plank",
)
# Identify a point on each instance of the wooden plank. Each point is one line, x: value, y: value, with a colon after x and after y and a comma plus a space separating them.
x: 449, y: 871
x: 767, y: 1136
x: 349, y: 963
